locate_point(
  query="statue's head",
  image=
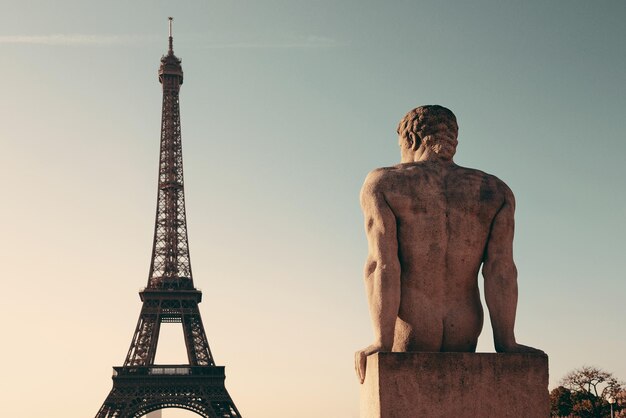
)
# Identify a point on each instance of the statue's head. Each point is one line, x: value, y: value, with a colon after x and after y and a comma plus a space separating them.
x: 431, y: 127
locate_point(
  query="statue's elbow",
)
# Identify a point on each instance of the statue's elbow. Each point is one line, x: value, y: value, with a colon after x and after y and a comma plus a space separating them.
x: 383, y: 273
x: 502, y: 271
x: 370, y: 268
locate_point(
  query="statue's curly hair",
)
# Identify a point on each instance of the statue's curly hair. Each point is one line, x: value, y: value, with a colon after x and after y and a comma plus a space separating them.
x: 421, y: 118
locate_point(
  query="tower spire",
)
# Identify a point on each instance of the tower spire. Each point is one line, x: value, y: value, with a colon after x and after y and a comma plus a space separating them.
x: 171, y: 39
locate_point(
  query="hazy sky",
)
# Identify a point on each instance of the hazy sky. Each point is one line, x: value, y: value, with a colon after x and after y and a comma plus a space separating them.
x: 286, y: 105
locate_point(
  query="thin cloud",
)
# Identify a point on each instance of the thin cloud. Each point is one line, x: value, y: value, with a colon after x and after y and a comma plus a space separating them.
x: 75, y: 39
x: 78, y: 39
x: 309, y: 42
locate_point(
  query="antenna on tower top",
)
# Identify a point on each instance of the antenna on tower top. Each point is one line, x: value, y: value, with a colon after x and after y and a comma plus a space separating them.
x: 171, y: 49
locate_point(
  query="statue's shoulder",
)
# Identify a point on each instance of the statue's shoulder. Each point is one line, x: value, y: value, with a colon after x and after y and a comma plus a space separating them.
x: 378, y: 180
x: 495, y: 184
x: 381, y: 175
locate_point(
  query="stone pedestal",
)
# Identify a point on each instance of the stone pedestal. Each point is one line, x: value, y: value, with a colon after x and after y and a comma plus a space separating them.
x: 455, y: 385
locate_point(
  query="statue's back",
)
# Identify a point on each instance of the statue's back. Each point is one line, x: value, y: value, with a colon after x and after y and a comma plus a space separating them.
x: 443, y: 217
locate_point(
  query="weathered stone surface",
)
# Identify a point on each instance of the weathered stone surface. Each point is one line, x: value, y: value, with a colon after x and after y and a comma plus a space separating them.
x: 458, y: 385
x: 431, y: 225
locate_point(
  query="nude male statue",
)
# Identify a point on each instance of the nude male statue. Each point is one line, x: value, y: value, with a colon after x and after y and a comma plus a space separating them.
x: 430, y: 225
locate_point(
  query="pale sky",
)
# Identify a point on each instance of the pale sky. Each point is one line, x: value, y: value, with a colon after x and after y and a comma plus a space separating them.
x: 286, y: 105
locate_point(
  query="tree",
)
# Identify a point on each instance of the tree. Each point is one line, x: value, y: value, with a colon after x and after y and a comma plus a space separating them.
x: 590, y: 389
x: 621, y: 404
x: 560, y: 402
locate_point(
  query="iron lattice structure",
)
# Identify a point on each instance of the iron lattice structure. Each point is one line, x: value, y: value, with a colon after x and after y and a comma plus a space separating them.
x: 140, y: 386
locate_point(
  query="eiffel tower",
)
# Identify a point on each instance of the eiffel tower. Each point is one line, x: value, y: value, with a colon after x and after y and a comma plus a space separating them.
x: 140, y: 386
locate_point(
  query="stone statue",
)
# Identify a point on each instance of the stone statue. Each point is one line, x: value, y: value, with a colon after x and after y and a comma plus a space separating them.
x: 430, y: 225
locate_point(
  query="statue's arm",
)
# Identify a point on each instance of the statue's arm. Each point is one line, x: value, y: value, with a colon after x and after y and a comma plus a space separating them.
x: 382, y: 268
x: 500, y: 276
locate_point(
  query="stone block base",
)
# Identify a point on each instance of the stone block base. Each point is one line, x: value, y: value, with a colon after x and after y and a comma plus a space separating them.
x: 455, y: 385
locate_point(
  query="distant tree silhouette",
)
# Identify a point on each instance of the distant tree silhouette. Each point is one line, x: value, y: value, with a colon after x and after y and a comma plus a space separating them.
x: 560, y: 402
x: 621, y: 401
x: 585, y: 393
